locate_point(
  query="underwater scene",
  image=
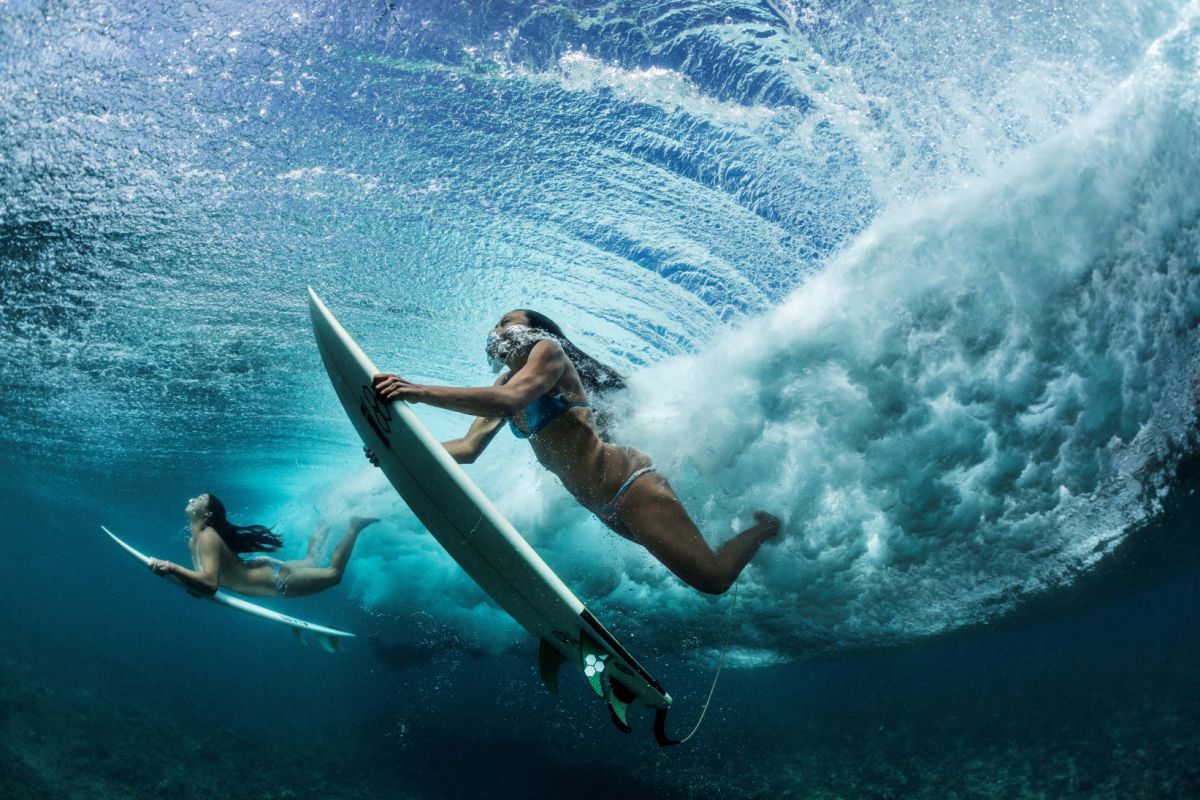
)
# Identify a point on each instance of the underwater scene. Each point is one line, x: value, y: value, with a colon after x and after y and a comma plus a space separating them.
x: 919, y: 280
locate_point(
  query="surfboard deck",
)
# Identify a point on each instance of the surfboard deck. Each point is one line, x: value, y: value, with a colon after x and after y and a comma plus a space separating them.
x: 466, y: 523
x: 329, y: 638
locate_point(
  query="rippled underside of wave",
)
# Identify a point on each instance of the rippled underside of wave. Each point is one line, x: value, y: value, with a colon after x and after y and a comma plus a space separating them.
x: 937, y: 311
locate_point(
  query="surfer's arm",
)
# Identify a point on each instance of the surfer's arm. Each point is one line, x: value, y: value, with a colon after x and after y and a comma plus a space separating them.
x: 477, y: 437
x: 539, y: 374
x: 483, y: 429
x: 203, y: 581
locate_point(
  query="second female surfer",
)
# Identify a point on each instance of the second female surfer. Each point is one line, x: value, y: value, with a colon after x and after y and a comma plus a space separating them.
x: 544, y: 395
x: 217, y: 544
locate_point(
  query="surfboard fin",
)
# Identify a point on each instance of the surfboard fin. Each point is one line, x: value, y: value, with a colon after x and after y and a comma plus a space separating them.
x: 619, y: 698
x: 329, y: 644
x: 593, y: 658
x: 549, y: 660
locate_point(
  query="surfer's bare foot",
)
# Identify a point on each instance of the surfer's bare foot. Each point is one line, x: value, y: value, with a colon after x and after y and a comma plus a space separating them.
x: 770, y: 523
x: 358, y: 523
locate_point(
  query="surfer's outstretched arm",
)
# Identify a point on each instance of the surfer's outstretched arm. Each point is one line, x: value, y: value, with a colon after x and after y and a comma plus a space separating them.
x: 540, y: 372
x: 467, y: 448
x: 203, y: 581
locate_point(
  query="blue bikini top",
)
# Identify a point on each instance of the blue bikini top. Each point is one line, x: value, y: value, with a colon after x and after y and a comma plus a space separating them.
x: 542, y: 412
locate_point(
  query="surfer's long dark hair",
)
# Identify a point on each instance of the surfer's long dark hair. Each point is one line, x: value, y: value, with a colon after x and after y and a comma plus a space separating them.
x: 240, y: 538
x: 598, y: 379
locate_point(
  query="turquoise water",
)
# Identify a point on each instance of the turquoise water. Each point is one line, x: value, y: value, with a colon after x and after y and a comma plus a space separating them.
x: 924, y: 283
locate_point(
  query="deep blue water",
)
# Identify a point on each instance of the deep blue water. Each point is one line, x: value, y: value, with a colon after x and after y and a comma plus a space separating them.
x: 924, y: 283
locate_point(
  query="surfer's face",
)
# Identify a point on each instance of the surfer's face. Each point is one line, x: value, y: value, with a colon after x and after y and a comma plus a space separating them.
x: 512, y: 336
x: 198, y: 506
x: 516, y: 317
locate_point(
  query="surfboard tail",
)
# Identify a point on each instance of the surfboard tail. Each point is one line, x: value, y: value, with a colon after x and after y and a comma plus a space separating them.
x: 594, y: 661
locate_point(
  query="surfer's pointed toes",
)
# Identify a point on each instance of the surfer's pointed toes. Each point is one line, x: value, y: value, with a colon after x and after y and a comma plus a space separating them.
x: 358, y: 523
x: 772, y: 525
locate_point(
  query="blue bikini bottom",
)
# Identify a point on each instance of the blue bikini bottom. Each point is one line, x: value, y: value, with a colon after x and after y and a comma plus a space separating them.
x: 282, y: 571
x: 608, y: 511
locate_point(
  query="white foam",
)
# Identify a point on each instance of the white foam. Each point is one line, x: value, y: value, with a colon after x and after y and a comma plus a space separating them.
x: 961, y: 410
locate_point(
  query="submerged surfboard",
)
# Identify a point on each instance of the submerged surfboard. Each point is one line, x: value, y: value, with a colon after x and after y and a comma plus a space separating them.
x: 329, y: 638
x: 479, y: 538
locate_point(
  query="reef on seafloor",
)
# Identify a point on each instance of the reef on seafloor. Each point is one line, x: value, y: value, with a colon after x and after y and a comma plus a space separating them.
x: 74, y: 744
x: 1111, y: 739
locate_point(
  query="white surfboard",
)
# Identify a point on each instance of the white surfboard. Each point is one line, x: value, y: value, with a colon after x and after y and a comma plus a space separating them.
x: 329, y: 638
x: 478, y: 537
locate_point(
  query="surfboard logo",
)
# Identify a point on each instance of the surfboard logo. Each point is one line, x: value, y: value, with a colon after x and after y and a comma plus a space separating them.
x: 378, y: 415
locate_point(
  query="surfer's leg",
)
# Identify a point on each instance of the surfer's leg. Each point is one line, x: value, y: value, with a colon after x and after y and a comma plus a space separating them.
x: 738, y: 550
x: 652, y: 516
x: 345, y: 548
x: 305, y: 580
x: 316, y: 544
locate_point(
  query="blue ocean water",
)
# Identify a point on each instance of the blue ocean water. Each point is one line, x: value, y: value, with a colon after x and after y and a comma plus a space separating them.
x: 923, y: 281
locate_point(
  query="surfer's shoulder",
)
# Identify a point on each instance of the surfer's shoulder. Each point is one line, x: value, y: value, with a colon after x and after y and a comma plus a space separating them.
x: 548, y: 348
x: 209, y: 536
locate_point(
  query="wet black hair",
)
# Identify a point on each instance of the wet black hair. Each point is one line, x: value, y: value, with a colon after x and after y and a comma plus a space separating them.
x: 598, y: 379
x: 240, y: 538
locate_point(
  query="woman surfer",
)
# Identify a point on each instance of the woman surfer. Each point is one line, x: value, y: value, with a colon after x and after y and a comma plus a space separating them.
x: 545, y: 397
x: 216, y: 545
